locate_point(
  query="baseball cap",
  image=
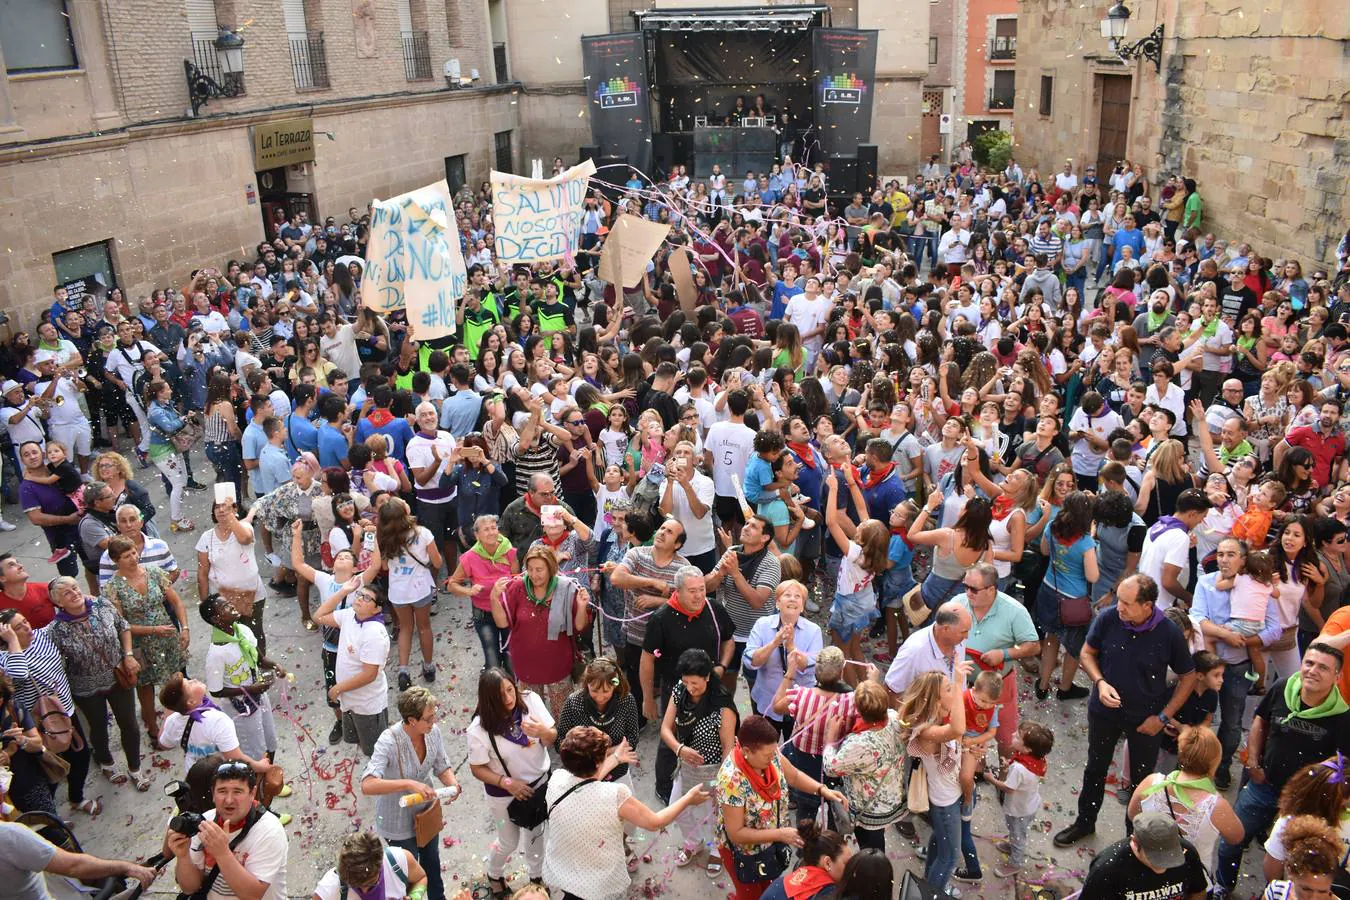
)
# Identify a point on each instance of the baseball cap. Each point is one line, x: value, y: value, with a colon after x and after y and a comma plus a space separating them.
x: 1159, y: 839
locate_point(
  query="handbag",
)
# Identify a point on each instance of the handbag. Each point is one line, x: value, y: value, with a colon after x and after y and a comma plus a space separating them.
x: 767, y: 864
x: 917, y: 795
x: 427, y: 824
x: 1074, y: 612
x: 49, y: 715
x: 528, y: 814
x: 54, y: 767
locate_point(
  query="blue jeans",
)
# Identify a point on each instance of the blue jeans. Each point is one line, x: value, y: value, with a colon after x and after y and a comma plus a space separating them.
x: 810, y: 764
x: 1078, y: 280
x: 1104, y: 262
x: 969, y: 855
x: 1232, y: 708
x: 918, y: 245
x: 429, y: 858
x: 228, y: 460
x: 490, y: 637
x: 1256, y: 807
x: 943, y: 845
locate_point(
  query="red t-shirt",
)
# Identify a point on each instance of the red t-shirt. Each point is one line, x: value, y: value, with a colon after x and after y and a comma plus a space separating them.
x: 1325, y: 450
x: 977, y: 720
x: 535, y: 658
x: 35, y: 605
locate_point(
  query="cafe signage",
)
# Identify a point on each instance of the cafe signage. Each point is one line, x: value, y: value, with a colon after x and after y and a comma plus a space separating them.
x: 283, y: 143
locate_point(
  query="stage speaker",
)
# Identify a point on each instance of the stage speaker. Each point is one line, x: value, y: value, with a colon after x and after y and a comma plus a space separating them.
x: 843, y: 175
x: 589, y: 152
x: 867, y: 168
x: 663, y: 153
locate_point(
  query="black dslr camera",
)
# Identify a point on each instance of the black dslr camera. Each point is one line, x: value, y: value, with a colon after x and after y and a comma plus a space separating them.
x: 186, y: 823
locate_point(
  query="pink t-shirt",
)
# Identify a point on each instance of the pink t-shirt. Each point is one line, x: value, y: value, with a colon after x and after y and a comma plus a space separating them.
x: 486, y: 573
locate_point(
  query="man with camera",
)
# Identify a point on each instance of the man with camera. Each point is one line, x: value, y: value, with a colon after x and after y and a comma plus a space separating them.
x: 237, y: 849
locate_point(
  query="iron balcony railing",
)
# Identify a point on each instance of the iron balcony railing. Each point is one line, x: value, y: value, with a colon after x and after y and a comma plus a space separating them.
x: 416, y: 56
x: 309, y: 65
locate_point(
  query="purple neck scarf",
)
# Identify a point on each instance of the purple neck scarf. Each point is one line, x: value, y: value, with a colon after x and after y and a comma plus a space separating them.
x: 1147, y: 625
x: 377, y: 616
x: 376, y: 890
x: 1164, y: 525
x: 200, y: 712
x: 515, y: 734
x: 64, y: 616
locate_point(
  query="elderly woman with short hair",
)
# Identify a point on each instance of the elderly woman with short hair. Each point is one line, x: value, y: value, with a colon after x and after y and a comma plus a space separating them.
x: 491, y: 558
x: 153, y: 551
x: 95, y: 641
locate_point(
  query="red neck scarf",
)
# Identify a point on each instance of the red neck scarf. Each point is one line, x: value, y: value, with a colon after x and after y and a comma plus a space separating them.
x: 862, y: 725
x: 380, y: 417
x: 804, y: 453
x: 806, y: 882
x: 228, y: 829
x: 903, y: 534
x: 529, y: 504
x: 1033, y: 765
x: 674, y: 603
x: 550, y: 541
x: 1003, y: 505
x: 877, y: 475
x: 765, y: 785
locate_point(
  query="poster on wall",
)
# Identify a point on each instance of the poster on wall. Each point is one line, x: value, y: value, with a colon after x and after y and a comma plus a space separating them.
x: 619, y: 97
x: 414, y: 261
x: 846, y: 69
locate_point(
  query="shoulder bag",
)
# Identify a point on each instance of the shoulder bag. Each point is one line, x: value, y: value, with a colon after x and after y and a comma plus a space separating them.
x: 57, y: 730
x: 528, y: 814
x: 428, y: 823
x: 767, y: 864
x: 1074, y: 612
x: 579, y: 784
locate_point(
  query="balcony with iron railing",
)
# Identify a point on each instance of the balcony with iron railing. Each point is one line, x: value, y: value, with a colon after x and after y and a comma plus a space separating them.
x: 206, y: 56
x: 1003, y: 49
x: 999, y: 100
x: 309, y: 65
x: 416, y: 56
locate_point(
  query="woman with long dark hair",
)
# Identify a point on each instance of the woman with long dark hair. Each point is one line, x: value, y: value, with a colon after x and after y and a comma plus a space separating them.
x: 413, y: 558
x: 223, y: 432
x: 1071, y: 551
x: 957, y: 548
x: 1302, y: 582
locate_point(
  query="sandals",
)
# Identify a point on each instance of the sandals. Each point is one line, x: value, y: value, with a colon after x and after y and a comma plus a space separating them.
x: 714, y: 866
x: 142, y: 780
x: 89, y: 807
x: 310, y: 625
x: 113, y: 775
x: 684, y: 856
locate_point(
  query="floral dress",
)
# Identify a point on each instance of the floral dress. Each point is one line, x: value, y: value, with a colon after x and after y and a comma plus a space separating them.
x: 159, y: 655
x: 870, y: 763
x: 734, y: 789
x: 283, y: 506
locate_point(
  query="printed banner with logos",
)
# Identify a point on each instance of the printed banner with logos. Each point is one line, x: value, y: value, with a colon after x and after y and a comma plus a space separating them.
x: 539, y: 218
x: 846, y: 69
x: 629, y: 247
x: 620, y: 102
x: 414, y: 261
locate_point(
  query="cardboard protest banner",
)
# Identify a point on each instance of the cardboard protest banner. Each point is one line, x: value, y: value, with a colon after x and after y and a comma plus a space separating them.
x: 413, y: 260
x: 683, y: 277
x: 539, y: 218
x: 630, y: 245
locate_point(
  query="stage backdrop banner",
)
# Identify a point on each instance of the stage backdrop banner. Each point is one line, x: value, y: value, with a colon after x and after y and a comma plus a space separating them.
x: 413, y: 260
x: 846, y: 68
x: 616, y: 82
x: 539, y: 218
x: 630, y: 245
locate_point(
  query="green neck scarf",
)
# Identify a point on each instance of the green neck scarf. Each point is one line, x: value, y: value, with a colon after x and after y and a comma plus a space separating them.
x: 548, y: 591
x: 1174, y: 781
x: 1155, y: 322
x: 1212, y: 328
x: 248, y: 650
x: 1246, y: 342
x: 497, y: 555
x: 1333, y: 705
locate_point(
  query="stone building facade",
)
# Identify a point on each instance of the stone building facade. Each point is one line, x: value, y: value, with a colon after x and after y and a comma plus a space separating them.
x: 1251, y: 101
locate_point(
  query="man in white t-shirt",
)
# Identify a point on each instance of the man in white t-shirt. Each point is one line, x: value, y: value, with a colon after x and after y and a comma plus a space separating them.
x: 362, y: 650
x: 1167, y: 547
x: 338, y: 346
x: 238, y: 676
x: 242, y: 842
x: 726, y: 451
x: 1066, y: 180
x: 688, y: 496
x: 197, y: 726
x: 430, y: 458
x: 1088, y: 429
x: 65, y: 420
x: 809, y: 311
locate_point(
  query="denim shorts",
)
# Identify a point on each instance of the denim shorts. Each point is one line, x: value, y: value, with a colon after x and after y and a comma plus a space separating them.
x: 853, y: 613
x: 1047, y: 620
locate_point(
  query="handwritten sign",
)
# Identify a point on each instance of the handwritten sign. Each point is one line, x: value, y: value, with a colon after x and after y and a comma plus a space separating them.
x: 683, y: 277
x: 413, y: 260
x: 630, y: 245
x: 539, y: 218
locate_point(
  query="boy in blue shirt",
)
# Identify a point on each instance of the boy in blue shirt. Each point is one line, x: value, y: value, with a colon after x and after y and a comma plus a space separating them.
x: 760, y: 486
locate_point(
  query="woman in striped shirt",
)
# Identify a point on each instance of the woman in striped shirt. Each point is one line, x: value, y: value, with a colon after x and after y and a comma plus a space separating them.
x: 34, y: 665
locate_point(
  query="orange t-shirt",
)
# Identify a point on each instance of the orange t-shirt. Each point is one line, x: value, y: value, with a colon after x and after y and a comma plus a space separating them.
x: 1336, y: 623
x: 1253, y: 526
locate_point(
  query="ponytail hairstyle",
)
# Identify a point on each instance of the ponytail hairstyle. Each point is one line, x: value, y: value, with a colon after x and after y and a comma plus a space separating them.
x: 817, y: 844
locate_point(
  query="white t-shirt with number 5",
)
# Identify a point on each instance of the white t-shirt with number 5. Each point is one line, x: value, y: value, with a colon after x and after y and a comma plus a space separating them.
x: 730, y: 444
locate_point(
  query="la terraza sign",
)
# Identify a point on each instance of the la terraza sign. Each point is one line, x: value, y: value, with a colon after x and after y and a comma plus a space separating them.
x: 283, y: 143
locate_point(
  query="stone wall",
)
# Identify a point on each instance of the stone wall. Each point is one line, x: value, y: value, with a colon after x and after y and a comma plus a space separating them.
x: 1251, y: 102
x: 172, y: 198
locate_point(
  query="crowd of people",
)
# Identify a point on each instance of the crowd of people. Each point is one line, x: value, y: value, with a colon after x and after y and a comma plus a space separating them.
x: 904, y: 463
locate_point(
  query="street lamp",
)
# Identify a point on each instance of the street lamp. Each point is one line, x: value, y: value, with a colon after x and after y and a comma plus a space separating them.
x: 230, y: 54
x: 1115, y: 25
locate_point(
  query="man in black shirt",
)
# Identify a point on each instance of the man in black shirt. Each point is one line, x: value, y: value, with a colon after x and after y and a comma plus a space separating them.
x: 1153, y: 863
x: 1302, y: 720
x: 688, y: 621
x: 660, y: 397
x: 1237, y: 298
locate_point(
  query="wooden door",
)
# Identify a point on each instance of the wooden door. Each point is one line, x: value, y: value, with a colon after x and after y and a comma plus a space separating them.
x: 1113, y: 129
x: 930, y: 137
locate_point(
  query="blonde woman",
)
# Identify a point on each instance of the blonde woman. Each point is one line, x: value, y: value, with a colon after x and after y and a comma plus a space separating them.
x: 933, y: 716
x: 1164, y: 480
